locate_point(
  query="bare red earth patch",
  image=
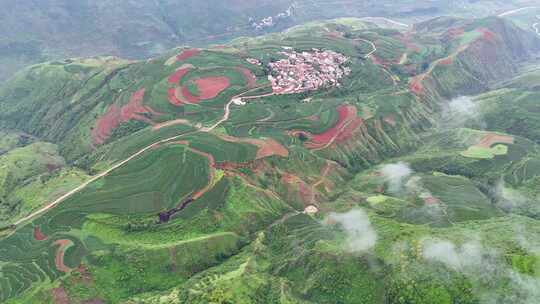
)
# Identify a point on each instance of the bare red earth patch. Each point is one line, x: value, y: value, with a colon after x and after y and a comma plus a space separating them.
x: 187, y: 54
x: 189, y: 98
x: 447, y: 61
x: 171, y: 93
x: 416, y: 86
x: 38, y: 235
x: 115, y: 115
x: 60, y: 251
x: 178, y: 75
x: 489, y: 140
x: 271, y: 147
x: 210, y: 87
x: 267, y: 147
x: 298, y: 188
x: 348, y: 130
x: 347, y: 123
x: 60, y: 295
x: 212, y: 173
x: 488, y: 35
x: 324, y: 137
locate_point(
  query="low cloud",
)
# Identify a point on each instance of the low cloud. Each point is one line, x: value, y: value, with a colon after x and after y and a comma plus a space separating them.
x: 484, y: 266
x: 470, y: 257
x: 460, y: 111
x: 395, y: 175
x: 360, y: 234
x: 508, y: 198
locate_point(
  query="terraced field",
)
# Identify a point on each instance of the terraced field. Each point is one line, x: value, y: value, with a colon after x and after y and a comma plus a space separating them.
x: 197, y: 184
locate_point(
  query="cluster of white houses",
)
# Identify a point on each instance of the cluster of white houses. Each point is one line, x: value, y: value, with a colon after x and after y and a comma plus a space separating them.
x: 307, y: 71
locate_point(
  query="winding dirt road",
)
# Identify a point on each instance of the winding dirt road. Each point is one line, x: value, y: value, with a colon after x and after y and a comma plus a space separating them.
x: 62, y: 198
x: 96, y: 177
x: 516, y: 11
x: 228, y: 106
x: 535, y: 26
x: 372, y: 45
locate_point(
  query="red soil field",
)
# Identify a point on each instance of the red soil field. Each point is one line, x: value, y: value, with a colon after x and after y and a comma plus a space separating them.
x: 59, y: 259
x: 348, y: 130
x: 454, y: 33
x: 212, y: 173
x: 178, y: 75
x: 38, y: 235
x: 267, y: 147
x: 348, y: 122
x: 346, y: 115
x: 116, y: 115
x: 447, y: 61
x: 488, y: 35
x: 326, y: 136
x: 187, y: 54
x: 296, y: 186
x: 416, y: 87
x: 171, y: 93
x: 251, y: 79
x: 307, y: 193
x: 491, y: 139
x: 209, y: 88
x: 270, y: 148
x: 188, y: 97
x: 106, y: 124
x: 60, y: 295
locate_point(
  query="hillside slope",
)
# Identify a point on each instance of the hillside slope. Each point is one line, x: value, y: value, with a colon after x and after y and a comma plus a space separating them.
x: 203, y: 179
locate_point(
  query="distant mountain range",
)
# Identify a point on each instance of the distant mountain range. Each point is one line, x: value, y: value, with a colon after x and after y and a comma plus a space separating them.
x: 34, y: 31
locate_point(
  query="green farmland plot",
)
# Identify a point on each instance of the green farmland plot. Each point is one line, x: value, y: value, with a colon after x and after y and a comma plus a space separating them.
x: 281, y: 198
x: 153, y: 182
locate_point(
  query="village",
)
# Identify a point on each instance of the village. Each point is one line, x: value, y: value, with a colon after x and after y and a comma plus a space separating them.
x: 307, y: 71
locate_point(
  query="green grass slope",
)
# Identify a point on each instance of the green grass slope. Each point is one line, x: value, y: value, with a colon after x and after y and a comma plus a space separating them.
x: 405, y: 201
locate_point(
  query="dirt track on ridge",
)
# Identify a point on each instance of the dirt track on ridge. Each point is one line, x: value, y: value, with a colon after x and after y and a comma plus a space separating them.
x: 62, y: 198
